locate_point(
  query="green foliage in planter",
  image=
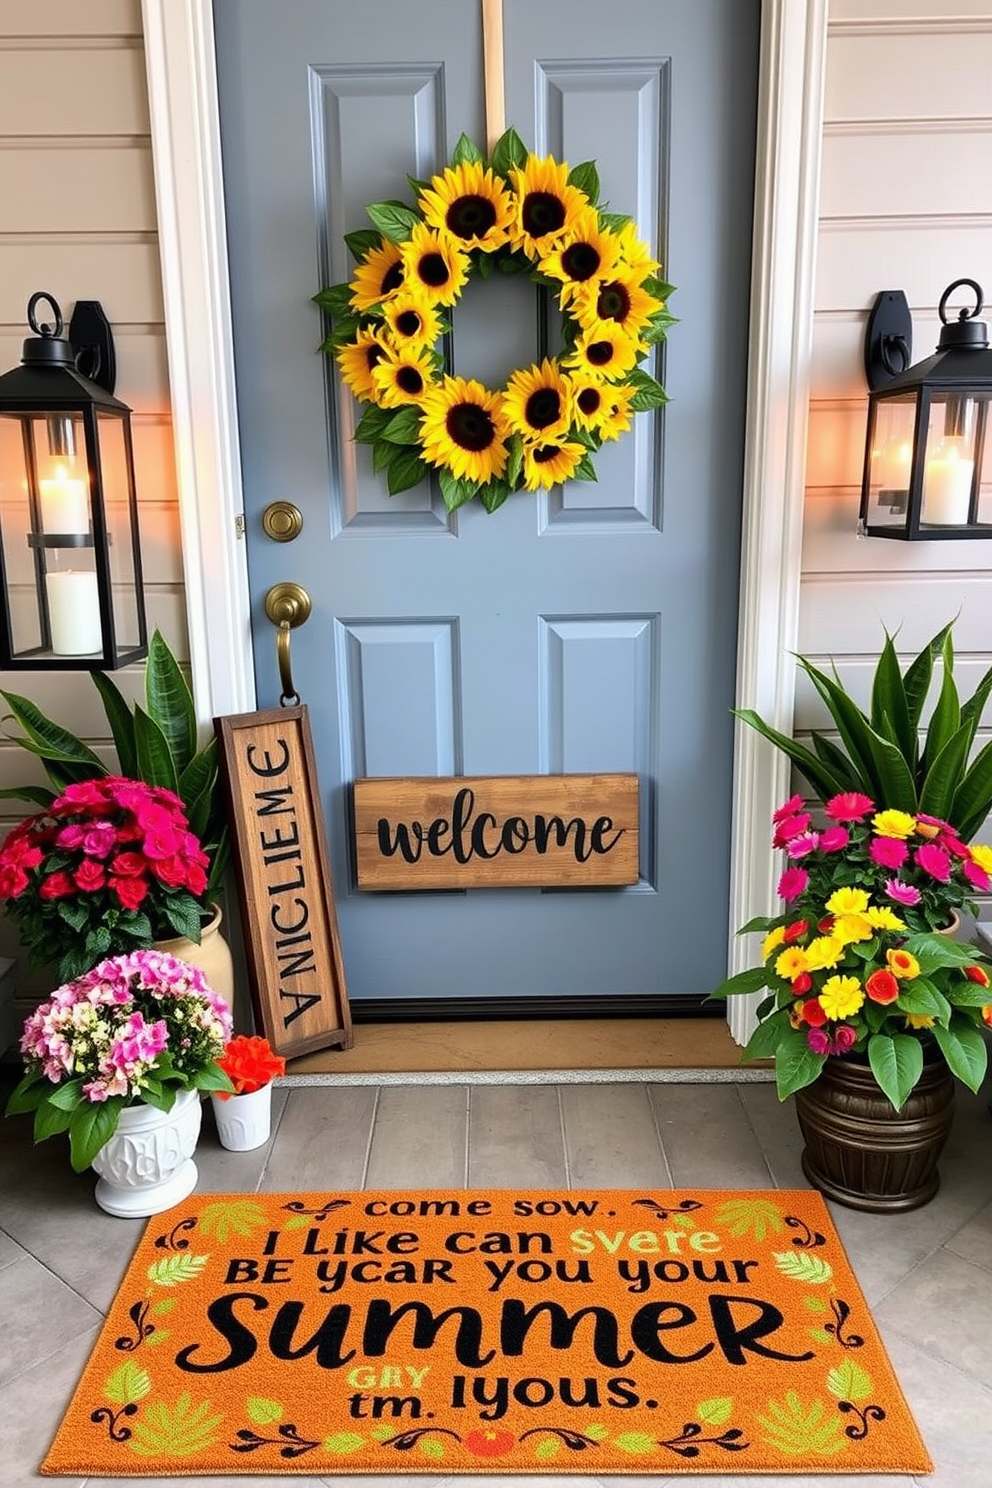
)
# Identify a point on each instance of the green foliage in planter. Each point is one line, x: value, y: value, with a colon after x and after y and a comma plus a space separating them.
x: 890, y: 754
x: 156, y: 743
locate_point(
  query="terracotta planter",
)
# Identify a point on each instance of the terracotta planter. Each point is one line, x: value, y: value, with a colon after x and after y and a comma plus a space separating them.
x: 212, y: 955
x: 147, y: 1165
x: 863, y: 1153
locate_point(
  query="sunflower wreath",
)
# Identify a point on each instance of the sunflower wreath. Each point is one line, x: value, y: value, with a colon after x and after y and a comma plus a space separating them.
x: 513, y: 214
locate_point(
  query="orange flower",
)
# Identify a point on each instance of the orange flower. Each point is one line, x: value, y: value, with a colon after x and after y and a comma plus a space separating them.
x: 882, y: 986
x: 902, y: 964
x: 977, y: 974
x: 249, y: 1063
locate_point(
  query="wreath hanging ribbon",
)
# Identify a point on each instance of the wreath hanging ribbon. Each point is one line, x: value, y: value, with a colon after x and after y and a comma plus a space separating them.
x: 514, y: 214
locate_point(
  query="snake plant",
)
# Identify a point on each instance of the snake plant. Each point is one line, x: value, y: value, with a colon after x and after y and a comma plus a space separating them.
x: 891, y: 753
x: 156, y: 744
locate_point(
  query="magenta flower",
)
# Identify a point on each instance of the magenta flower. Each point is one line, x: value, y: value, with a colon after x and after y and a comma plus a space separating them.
x: 976, y: 876
x: 788, y: 808
x: 818, y: 1041
x: 934, y: 860
x: 888, y: 852
x: 792, y: 826
x: 792, y: 883
x: 834, y: 839
x: 844, y: 1038
x: 849, y: 806
x: 800, y: 846
x: 902, y: 893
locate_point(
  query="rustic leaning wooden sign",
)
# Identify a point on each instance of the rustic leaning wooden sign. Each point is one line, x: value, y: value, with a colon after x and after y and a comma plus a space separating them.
x: 287, y: 904
x: 496, y: 832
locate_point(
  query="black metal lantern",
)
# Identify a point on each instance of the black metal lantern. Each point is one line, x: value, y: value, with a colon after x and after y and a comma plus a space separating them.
x: 928, y: 466
x: 70, y: 563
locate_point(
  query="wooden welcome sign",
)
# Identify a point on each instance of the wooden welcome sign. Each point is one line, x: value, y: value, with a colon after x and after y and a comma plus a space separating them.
x: 287, y: 905
x: 496, y: 832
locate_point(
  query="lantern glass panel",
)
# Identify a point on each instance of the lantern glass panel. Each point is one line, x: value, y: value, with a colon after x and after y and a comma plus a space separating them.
x: 950, y: 457
x: 891, y: 460
x: 19, y: 560
x: 121, y: 516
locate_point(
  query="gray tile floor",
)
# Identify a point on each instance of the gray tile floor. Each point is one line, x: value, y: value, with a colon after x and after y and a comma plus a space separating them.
x: 927, y: 1275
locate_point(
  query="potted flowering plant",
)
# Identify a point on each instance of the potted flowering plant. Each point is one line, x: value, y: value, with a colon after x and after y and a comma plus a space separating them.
x: 244, y: 1113
x: 861, y: 988
x: 138, y: 1033
x: 109, y: 866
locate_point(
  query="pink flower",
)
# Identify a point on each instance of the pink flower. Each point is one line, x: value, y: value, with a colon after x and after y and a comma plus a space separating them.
x: 834, y: 839
x: 849, y: 806
x: 844, y: 1038
x: 791, y: 826
x: 71, y: 837
x: 976, y: 876
x: 100, y: 840
x: 818, y: 1040
x: 130, y: 891
x: 789, y: 808
x: 902, y: 893
x: 89, y: 794
x: 89, y: 876
x: 792, y: 883
x: 935, y: 861
x: 13, y: 881
x: 888, y: 852
x: 56, y: 886
x: 800, y: 846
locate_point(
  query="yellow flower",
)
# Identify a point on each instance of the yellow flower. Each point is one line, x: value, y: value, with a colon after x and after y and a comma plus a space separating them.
x: 791, y: 963
x: 772, y: 939
x: 404, y: 375
x: 902, y: 964
x: 547, y: 465
x: 919, y: 1020
x: 357, y: 360
x: 849, y: 928
x: 823, y: 952
x: 464, y: 429
x: 587, y: 253
x: 379, y: 274
x: 434, y: 265
x: 412, y: 320
x: 841, y: 996
x: 884, y: 919
x: 605, y: 353
x: 619, y: 300
x: 635, y: 253
x: 537, y: 402
x: 981, y: 856
x: 848, y: 901
x: 602, y: 407
x: 546, y: 205
x: 470, y: 203
x: 894, y: 824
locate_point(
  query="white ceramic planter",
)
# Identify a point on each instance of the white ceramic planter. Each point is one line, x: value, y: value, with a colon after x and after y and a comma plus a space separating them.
x: 244, y: 1121
x: 147, y: 1165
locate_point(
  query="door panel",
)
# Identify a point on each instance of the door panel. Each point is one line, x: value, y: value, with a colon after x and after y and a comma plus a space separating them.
x: 588, y: 629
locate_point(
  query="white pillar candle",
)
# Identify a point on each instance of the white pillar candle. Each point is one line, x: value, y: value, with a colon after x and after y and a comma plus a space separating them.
x: 74, y: 612
x: 65, y: 506
x: 947, y: 490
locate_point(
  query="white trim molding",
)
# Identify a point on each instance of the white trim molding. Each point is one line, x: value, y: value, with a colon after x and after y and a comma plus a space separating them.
x: 185, y: 131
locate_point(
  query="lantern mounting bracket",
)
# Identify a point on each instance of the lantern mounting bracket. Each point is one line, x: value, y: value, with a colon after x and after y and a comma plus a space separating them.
x: 888, y: 338
x: 92, y: 341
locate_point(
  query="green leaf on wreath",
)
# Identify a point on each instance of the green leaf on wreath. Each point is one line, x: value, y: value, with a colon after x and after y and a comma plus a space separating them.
x: 514, y: 460
x: 403, y: 426
x: 229, y: 1217
x: 417, y: 187
x: 508, y: 151
x: 454, y: 492
x: 802, y: 1266
x: 342, y: 1442
x: 127, y: 1384
x: 483, y: 264
x: 336, y: 299
x: 714, y: 1412
x: 383, y: 455
x: 405, y: 472
x: 362, y: 242
x: 371, y: 424
x: 585, y: 470
x: 585, y: 177
x: 850, y: 1382
x: 614, y: 221
x: 393, y: 220
x: 466, y: 152
x: 181, y: 1430
x: 175, y: 1269
x: 799, y: 1431
x: 757, y: 1217
x: 635, y: 1442
x: 263, y: 1412
x: 493, y: 495
x: 649, y: 392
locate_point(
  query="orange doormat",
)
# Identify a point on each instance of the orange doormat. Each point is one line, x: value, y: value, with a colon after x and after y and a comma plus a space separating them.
x: 512, y: 1332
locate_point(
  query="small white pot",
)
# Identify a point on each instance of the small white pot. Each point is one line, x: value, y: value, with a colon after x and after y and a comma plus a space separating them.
x: 147, y: 1165
x: 244, y: 1121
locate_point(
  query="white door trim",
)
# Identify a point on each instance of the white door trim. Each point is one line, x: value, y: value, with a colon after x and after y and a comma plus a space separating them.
x: 185, y: 133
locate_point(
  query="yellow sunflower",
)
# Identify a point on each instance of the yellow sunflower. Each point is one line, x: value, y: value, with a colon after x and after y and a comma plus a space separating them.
x: 619, y: 301
x: 607, y: 353
x: 411, y: 320
x: 404, y: 375
x: 538, y: 403
x: 465, y: 430
x: 635, y: 253
x: 545, y: 204
x: 586, y: 254
x: 357, y: 360
x: 471, y: 204
x: 601, y: 407
x: 379, y: 274
x: 547, y: 465
x: 434, y: 265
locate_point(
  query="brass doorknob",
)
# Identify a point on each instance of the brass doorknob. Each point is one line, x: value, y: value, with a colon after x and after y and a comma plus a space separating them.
x: 282, y: 521
x: 288, y: 604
